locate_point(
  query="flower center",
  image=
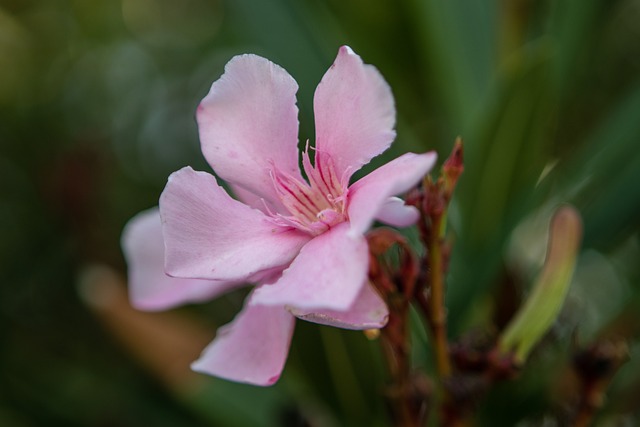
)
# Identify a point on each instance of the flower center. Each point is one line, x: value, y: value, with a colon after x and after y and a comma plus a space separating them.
x: 315, y: 206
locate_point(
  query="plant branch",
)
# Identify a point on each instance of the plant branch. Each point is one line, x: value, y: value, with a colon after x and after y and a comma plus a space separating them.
x: 407, y: 394
x: 596, y: 367
x: 437, y: 311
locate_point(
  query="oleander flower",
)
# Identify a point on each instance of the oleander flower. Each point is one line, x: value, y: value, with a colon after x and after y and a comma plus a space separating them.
x: 302, y: 240
x: 150, y: 289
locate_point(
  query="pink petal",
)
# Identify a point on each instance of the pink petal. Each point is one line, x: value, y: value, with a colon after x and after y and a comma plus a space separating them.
x: 328, y: 273
x: 354, y: 113
x: 209, y: 235
x: 394, y: 212
x: 368, y: 311
x: 368, y: 195
x: 149, y: 287
x: 252, y: 200
x: 249, y: 121
x: 251, y: 349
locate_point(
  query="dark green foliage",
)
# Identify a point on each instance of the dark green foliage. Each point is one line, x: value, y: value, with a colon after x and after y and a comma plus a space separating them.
x: 97, y: 100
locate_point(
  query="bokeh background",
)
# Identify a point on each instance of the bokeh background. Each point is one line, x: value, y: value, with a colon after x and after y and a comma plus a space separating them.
x: 97, y: 102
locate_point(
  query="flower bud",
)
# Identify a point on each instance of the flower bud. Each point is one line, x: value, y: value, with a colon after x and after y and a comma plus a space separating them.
x: 541, y: 309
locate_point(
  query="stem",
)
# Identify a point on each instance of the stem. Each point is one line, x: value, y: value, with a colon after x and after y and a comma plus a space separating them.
x: 436, y: 301
x: 396, y: 354
x: 596, y: 367
x: 423, y: 304
x: 432, y: 231
x: 592, y: 398
x: 585, y: 415
x: 406, y: 395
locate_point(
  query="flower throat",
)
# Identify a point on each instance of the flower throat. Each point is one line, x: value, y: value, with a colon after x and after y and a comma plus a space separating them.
x: 315, y: 206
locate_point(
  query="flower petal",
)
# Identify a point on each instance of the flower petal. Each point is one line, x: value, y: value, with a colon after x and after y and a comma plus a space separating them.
x: 368, y: 195
x: 252, y: 200
x: 394, y: 212
x: 249, y: 121
x: 328, y: 273
x: 251, y: 349
x: 354, y: 113
x: 368, y: 311
x: 209, y: 235
x: 149, y: 287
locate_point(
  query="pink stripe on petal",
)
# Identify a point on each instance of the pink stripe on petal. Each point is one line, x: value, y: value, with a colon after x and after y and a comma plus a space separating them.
x: 368, y: 311
x: 354, y: 113
x: 149, y: 287
x: 368, y: 195
x: 209, y: 235
x: 249, y: 121
x: 252, y: 349
x: 328, y: 273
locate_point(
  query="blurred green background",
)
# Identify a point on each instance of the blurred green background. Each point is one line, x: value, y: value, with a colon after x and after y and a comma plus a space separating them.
x: 97, y: 102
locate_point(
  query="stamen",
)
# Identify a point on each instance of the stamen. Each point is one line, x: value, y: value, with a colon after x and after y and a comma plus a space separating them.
x: 312, y: 175
x: 289, y: 196
x: 315, y: 206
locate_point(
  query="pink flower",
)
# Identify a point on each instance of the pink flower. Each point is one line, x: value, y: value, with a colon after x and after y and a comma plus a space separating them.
x: 149, y: 287
x: 302, y: 240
